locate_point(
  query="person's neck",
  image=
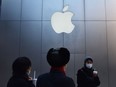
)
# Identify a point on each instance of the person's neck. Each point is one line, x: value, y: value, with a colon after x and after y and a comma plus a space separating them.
x: 61, y: 69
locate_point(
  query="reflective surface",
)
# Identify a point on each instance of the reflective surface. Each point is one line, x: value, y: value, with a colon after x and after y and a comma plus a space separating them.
x: 11, y: 10
x: 111, y: 9
x: 77, y: 7
x: 31, y: 9
x: 25, y: 30
x: 95, y: 9
x: 96, y: 46
x: 51, y: 6
x: 112, y: 49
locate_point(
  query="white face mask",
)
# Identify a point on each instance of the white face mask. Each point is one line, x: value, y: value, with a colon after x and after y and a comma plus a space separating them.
x: 89, y: 65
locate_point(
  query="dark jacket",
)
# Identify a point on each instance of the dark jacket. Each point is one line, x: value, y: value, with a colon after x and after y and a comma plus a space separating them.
x: 20, y: 81
x: 85, y: 78
x: 54, y: 79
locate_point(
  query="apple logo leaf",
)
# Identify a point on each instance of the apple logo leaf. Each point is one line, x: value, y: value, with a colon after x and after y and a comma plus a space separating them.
x: 65, y: 8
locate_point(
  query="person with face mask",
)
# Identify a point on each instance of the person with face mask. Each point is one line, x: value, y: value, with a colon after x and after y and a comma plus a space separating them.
x: 87, y: 76
x: 20, y: 76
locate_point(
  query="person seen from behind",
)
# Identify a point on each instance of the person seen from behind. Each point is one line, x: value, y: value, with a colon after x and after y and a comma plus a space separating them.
x: 57, y: 59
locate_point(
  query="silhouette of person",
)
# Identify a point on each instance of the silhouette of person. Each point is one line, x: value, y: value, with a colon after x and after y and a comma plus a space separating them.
x: 20, y: 76
x: 87, y: 76
x: 57, y: 59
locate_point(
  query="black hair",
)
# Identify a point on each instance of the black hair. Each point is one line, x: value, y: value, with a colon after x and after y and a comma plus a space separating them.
x: 87, y: 59
x: 21, y: 65
x: 58, y: 57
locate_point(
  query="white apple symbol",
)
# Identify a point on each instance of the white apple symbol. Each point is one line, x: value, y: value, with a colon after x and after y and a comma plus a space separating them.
x: 61, y: 21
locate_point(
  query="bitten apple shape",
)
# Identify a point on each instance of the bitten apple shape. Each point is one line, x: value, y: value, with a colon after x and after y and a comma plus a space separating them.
x: 61, y: 21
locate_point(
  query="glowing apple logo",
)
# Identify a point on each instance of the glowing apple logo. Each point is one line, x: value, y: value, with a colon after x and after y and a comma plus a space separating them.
x: 61, y: 21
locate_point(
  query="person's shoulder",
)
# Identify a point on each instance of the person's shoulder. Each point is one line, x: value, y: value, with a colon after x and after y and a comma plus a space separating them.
x: 68, y: 78
x: 16, y: 82
x: 16, y: 79
x: 45, y: 75
x: 80, y: 70
x: 70, y: 81
x: 43, y: 78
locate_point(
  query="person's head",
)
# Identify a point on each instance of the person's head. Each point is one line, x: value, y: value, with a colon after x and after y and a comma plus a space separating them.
x: 21, y: 65
x: 88, y: 62
x: 58, y: 57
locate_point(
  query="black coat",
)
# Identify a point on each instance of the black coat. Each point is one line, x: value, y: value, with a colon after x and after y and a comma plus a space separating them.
x: 54, y: 79
x: 20, y: 81
x: 85, y: 78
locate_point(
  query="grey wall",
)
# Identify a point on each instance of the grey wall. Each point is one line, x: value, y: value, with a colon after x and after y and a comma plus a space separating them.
x: 25, y: 30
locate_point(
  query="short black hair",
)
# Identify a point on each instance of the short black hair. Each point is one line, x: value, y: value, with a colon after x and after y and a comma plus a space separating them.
x: 58, y: 57
x: 20, y: 65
